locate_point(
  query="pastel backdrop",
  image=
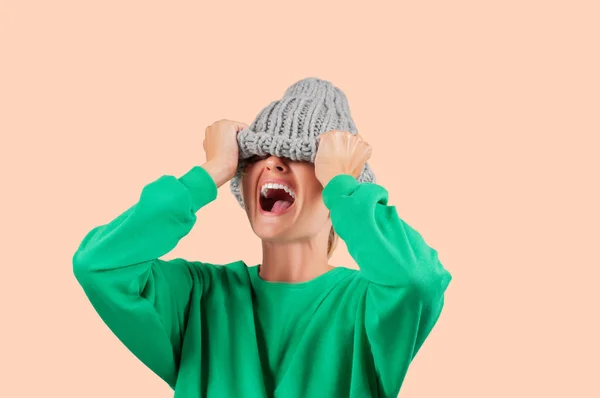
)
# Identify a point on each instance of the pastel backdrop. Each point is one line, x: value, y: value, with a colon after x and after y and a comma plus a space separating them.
x: 484, y: 122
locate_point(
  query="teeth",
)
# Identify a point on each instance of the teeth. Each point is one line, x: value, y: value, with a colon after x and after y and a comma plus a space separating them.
x: 271, y: 185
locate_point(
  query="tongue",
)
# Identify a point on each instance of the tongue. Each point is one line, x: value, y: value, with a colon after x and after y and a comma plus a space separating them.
x: 280, y: 206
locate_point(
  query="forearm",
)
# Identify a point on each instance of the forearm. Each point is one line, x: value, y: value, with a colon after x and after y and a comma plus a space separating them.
x: 141, y: 298
x: 149, y: 229
x: 219, y: 172
x: 407, y: 281
x: 387, y: 250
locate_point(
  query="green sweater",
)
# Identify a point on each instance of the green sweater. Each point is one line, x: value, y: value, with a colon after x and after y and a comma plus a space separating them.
x: 219, y: 330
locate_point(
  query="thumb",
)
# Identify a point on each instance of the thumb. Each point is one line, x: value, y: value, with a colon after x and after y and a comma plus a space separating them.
x: 240, y: 125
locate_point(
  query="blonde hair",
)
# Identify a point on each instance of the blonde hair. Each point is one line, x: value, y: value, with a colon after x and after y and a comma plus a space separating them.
x: 332, y: 242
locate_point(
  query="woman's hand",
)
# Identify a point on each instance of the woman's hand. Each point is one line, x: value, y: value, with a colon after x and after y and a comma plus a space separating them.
x: 340, y: 152
x: 221, y: 148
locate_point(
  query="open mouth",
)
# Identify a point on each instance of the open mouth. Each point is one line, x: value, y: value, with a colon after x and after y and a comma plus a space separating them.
x: 276, y: 198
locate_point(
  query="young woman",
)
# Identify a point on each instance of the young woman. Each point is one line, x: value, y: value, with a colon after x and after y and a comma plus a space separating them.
x: 293, y: 325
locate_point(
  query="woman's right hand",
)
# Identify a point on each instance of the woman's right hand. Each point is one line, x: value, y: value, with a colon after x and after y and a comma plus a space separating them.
x: 221, y: 148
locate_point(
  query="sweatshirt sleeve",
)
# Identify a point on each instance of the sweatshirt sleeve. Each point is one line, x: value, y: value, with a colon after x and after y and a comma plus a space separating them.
x: 406, y: 280
x: 140, y: 297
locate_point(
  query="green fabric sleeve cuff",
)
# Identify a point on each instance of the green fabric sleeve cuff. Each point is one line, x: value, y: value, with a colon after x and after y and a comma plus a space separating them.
x: 341, y: 184
x: 203, y: 189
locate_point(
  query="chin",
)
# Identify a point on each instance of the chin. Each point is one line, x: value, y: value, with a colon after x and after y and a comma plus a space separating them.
x: 270, y: 231
x: 267, y: 225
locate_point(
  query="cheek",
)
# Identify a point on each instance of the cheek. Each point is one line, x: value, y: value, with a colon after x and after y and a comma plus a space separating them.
x: 312, y: 189
x: 312, y: 200
x: 305, y: 176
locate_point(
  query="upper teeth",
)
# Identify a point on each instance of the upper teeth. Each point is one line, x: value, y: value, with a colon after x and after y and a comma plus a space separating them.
x: 271, y: 185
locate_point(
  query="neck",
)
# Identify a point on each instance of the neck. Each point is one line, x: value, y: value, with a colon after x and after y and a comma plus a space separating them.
x: 295, y: 261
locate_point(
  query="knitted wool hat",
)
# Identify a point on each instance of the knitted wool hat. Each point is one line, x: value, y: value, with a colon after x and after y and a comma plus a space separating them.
x: 290, y: 127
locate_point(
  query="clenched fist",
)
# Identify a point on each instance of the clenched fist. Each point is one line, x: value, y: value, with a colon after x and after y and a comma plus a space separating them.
x: 340, y: 152
x: 221, y: 148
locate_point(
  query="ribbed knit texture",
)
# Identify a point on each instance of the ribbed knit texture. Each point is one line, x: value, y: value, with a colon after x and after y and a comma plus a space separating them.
x: 290, y: 127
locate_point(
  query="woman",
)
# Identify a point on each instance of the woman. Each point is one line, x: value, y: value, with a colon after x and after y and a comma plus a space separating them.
x: 293, y: 325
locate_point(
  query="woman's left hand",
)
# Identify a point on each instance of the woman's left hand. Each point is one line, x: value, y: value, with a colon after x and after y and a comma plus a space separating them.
x: 340, y: 152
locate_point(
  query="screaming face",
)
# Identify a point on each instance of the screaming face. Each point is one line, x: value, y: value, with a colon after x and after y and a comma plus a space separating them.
x: 283, y: 199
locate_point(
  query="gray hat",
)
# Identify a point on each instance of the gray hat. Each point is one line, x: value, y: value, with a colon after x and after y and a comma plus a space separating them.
x: 290, y: 127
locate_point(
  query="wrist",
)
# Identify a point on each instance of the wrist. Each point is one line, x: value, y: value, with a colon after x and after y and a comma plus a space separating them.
x: 332, y: 175
x: 341, y: 185
x: 219, y: 171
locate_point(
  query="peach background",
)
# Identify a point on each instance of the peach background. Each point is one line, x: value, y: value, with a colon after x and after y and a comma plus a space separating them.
x: 484, y: 121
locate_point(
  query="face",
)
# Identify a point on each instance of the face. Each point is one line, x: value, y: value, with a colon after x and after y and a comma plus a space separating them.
x: 283, y: 199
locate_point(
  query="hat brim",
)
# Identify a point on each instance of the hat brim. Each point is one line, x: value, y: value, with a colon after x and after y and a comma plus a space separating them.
x: 252, y: 143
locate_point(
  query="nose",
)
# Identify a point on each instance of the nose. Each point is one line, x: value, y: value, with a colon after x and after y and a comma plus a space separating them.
x: 275, y: 163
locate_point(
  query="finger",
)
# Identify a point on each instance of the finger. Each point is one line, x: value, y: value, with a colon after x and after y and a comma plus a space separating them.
x: 367, y: 152
x: 240, y: 126
x: 340, y: 133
